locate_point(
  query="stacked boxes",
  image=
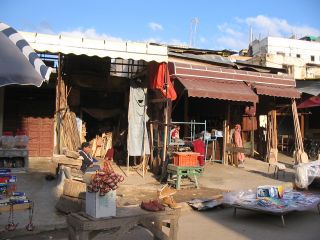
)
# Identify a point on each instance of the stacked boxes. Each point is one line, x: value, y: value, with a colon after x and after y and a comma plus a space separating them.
x: 8, y: 194
x: 268, y: 191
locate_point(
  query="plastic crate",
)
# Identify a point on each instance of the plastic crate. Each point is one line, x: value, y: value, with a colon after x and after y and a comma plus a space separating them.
x: 185, y: 159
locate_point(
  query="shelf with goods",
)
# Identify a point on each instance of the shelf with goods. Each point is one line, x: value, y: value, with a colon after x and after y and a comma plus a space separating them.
x: 11, y: 200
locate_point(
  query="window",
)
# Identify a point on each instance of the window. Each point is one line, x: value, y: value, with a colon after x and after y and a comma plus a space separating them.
x: 312, y: 58
x: 290, y: 68
x: 298, y: 56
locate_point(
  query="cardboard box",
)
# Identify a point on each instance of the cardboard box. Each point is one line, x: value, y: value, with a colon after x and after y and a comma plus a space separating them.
x: 101, y: 206
x: 268, y: 191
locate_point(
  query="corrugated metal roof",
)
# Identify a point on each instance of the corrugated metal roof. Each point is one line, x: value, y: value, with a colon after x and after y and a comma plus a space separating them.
x: 96, y: 47
x: 287, y: 92
x: 231, y: 75
x: 309, y: 86
x: 210, y: 88
x: 216, y: 59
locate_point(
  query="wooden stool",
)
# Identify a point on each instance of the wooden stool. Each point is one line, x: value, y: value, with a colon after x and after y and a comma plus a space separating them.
x: 184, y: 171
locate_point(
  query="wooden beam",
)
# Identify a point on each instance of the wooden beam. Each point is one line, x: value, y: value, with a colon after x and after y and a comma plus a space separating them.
x: 252, y: 137
x: 158, y: 100
x: 290, y: 114
x: 58, y: 106
x: 186, y: 113
x: 302, y: 126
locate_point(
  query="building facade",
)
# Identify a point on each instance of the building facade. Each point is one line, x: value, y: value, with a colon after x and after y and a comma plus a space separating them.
x: 300, y: 57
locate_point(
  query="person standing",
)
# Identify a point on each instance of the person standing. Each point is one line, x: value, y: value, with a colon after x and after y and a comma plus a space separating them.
x: 237, y: 139
x: 199, y: 147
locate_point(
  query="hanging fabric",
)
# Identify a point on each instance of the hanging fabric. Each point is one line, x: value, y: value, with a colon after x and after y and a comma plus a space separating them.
x: 159, y: 75
x: 138, y: 142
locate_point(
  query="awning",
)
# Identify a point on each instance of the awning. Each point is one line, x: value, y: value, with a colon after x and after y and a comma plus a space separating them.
x: 96, y: 47
x: 230, y: 75
x: 19, y: 64
x: 210, y: 88
x: 286, y: 92
x: 265, y: 83
x: 310, y: 102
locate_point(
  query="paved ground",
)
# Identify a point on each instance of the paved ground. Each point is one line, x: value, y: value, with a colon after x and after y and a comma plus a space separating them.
x: 217, y: 223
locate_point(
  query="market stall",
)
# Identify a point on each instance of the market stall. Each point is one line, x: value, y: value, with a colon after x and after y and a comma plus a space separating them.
x: 272, y: 200
x: 12, y: 201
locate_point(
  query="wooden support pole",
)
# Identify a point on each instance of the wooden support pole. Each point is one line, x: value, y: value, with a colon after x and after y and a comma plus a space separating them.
x: 166, y: 121
x: 252, y: 136
x: 224, y: 152
x: 152, y: 145
x: 226, y: 126
x: 302, y: 126
x: 186, y: 113
x: 58, y: 105
x: 165, y: 138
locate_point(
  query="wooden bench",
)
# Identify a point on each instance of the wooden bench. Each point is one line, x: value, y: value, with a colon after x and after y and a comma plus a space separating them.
x: 184, y: 171
x: 82, y: 226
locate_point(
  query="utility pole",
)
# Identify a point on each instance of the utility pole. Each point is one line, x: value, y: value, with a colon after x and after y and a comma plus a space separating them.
x: 193, y: 31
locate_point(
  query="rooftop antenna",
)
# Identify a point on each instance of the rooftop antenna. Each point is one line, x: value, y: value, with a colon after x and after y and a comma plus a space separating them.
x: 193, y: 31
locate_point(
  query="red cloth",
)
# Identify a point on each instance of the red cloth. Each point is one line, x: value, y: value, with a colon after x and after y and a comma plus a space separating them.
x: 109, y: 154
x: 157, y: 73
x: 199, y: 147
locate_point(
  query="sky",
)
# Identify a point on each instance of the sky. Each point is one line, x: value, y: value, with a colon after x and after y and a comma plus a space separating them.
x: 220, y: 24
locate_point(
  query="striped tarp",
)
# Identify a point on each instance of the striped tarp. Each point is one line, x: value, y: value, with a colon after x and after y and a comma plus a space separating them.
x: 19, y: 63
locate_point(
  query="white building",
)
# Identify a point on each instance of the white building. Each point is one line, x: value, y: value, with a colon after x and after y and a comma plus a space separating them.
x: 300, y: 57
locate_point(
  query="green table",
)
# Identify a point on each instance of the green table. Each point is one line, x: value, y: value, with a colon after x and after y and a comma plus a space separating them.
x: 184, y: 171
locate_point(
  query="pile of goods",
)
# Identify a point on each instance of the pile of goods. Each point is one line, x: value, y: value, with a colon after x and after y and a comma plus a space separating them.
x: 105, y: 180
x: 165, y: 198
x: 273, y: 199
x: 10, y: 198
x: 7, y: 186
x: 8, y: 141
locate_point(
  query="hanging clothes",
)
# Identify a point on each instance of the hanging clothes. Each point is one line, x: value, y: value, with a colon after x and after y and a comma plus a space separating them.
x: 158, y: 72
x: 138, y: 142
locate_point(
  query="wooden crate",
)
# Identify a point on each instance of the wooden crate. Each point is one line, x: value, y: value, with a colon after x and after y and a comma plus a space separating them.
x: 185, y: 159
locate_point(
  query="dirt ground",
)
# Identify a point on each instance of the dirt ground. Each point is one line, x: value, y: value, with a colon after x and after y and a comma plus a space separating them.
x: 217, y: 223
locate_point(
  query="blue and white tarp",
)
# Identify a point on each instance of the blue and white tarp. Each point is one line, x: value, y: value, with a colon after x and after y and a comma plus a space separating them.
x: 19, y: 63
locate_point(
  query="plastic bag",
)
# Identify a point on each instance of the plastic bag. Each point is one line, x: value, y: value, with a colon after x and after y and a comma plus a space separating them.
x: 247, y: 196
x: 8, y: 141
x: 305, y: 173
x: 21, y: 140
